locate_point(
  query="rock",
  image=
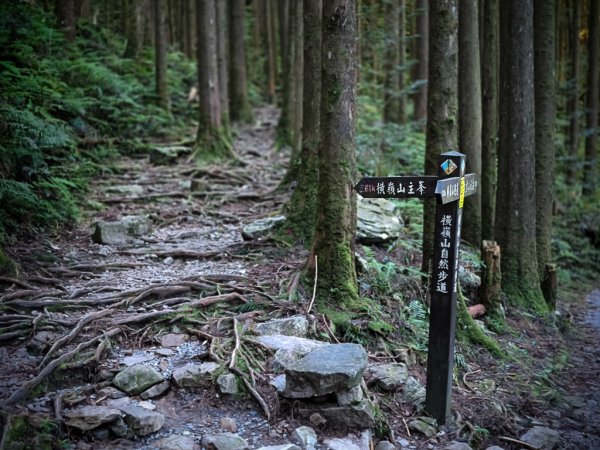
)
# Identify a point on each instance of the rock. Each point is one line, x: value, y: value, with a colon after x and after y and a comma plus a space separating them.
x: 350, y: 442
x: 121, y: 231
x: 467, y: 279
x: 455, y: 445
x: 118, y: 402
x: 164, y: 352
x: 317, y: 419
x: 327, y: 369
x: 173, y: 340
x: 101, y: 434
x: 127, y: 189
x: 161, y: 156
x: 228, y: 424
x: 261, y: 227
x: 119, y: 428
x: 361, y: 415
x: 412, y: 392
x: 494, y: 447
x: 156, y: 390
x: 425, y: 425
x: 111, y: 392
x: 385, y: 445
x: 278, y: 383
x: 224, y: 441
x: 136, y: 359
x: 298, y: 344
x: 176, y: 442
x: 281, y: 447
x: 136, y: 379
x: 40, y: 342
x: 290, y: 326
x: 147, y: 405
x: 377, y: 221
x: 351, y: 396
x: 141, y: 421
x: 228, y: 384
x: 88, y: 418
x: 305, y: 437
x: 389, y: 376
x: 195, y: 375
x: 542, y: 438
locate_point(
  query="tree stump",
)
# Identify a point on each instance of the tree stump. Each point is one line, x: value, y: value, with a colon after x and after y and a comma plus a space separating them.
x: 491, y: 276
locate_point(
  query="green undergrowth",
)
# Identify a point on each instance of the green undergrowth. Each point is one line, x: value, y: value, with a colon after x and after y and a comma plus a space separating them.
x: 68, y: 110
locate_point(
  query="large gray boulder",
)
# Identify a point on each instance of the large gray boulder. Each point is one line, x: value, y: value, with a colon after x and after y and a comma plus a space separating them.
x: 377, y: 221
x: 289, y: 326
x: 354, y: 416
x: 289, y: 349
x: 224, y: 441
x: 88, y: 418
x: 195, y: 375
x: 542, y: 438
x: 326, y: 370
x: 142, y: 421
x: 136, y: 379
x: 122, y: 231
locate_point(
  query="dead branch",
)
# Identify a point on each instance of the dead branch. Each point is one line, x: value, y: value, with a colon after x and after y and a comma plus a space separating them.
x: 17, y: 282
x: 517, y: 441
x: 144, y: 317
x: 28, y: 386
x: 253, y: 391
x: 12, y: 335
x: 159, y: 291
x: 25, y: 293
x: 145, y: 197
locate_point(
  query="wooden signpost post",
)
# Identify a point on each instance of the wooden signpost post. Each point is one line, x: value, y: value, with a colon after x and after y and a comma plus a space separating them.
x: 449, y: 187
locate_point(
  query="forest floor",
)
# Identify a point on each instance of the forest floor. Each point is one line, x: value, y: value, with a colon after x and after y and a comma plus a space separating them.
x: 195, y: 265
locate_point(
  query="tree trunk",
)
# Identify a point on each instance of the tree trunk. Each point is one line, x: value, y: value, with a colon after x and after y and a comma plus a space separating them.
x: 422, y: 64
x: 489, y: 117
x: 302, y: 208
x: 211, y: 142
x: 283, y: 127
x: 545, y: 116
x: 160, y: 54
x: 336, y: 217
x: 590, y: 169
x: 65, y: 15
x: 573, y: 92
x: 297, y: 76
x: 223, y: 60
x: 491, y: 277
x: 391, y: 108
x: 442, y: 102
x: 401, y: 61
x: 190, y: 33
x: 268, y: 43
x: 469, y: 111
x: 515, y: 218
x: 239, y: 104
x: 135, y: 30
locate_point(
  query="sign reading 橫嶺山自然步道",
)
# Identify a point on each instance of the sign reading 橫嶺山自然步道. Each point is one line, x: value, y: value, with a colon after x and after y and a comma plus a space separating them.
x: 449, y: 187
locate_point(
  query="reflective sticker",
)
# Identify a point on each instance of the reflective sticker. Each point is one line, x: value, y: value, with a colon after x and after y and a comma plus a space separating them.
x: 462, y: 193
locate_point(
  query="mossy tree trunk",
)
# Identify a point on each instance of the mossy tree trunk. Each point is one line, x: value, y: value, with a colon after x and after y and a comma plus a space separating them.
x: 489, y: 117
x: 545, y: 116
x: 239, y: 106
x: 302, y: 208
x: 212, y: 140
x: 336, y: 216
x: 573, y: 92
x: 160, y: 54
x: 515, y: 205
x: 442, y: 102
x: 422, y: 57
x: 590, y: 168
x: 469, y: 111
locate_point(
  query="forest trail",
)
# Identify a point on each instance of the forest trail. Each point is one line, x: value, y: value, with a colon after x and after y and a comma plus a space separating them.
x: 79, y: 293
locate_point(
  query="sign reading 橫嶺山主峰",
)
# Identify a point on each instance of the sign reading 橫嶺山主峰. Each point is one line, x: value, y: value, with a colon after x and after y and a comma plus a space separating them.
x: 449, y: 187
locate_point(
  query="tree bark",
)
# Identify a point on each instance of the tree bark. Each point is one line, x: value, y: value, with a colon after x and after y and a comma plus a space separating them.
x: 515, y: 218
x: 239, y: 106
x: 545, y: 116
x: 302, y: 208
x: 223, y: 60
x: 442, y: 102
x: 160, y: 54
x: 590, y: 168
x: 135, y: 30
x: 297, y: 75
x: 391, y: 99
x: 469, y: 111
x: 401, y: 61
x: 268, y: 43
x: 283, y: 127
x: 190, y: 31
x: 336, y: 217
x: 422, y: 63
x: 489, y: 117
x: 65, y: 15
x: 491, y: 277
x: 573, y: 93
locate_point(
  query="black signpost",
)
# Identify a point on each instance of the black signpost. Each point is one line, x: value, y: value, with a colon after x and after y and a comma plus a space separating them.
x: 449, y: 187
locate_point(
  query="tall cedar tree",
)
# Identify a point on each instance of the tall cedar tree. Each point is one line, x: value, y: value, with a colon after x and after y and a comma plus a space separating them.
x: 469, y: 111
x: 422, y: 63
x: 65, y: 15
x: 302, y: 208
x: 336, y: 210
x: 590, y: 169
x: 268, y: 44
x: 489, y: 117
x: 545, y: 116
x: 442, y: 102
x: 239, y: 106
x: 391, y: 98
x: 212, y: 141
x: 573, y: 95
x: 135, y: 29
x: 160, y: 54
x: 515, y: 205
x: 283, y: 127
x: 223, y: 60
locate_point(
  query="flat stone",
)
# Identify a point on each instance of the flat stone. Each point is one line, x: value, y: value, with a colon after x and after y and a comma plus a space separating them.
x: 455, y: 445
x: 542, y: 438
x: 385, y: 445
x: 261, y: 227
x: 356, y: 416
x: 147, y: 405
x: 136, y: 379
x: 111, y: 392
x: 136, y: 359
x: 281, y: 447
x: 156, y: 390
x: 290, y: 326
x: 281, y: 342
x: 195, y: 375
x: 88, y: 418
x: 389, y: 377
x: 425, y: 425
x: 327, y: 369
x: 173, y: 340
x: 164, y: 352
x: 350, y: 442
x: 127, y: 189
x: 350, y: 396
x: 121, y: 231
x: 224, y: 441
x: 228, y: 384
x: 278, y: 383
x: 176, y: 442
x: 494, y: 447
x: 305, y: 437
x: 118, y: 402
x: 161, y: 156
x: 141, y: 421
x: 377, y: 221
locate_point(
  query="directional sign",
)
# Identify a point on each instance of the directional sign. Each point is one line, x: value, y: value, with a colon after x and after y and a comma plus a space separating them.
x: 449, y: 187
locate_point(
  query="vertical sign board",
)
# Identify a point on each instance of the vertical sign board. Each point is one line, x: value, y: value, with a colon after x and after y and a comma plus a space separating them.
x: 449, y: 187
